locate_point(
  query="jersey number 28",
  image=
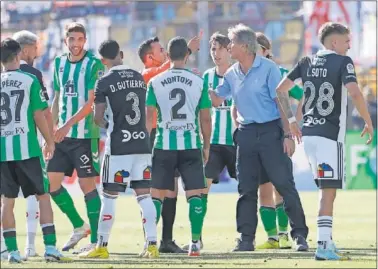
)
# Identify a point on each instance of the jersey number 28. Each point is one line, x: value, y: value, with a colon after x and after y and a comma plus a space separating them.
x: 323, y: 97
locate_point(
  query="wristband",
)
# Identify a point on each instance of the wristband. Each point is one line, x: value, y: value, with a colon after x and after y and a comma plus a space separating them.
x: 289, y: 136
x: 292, y: 119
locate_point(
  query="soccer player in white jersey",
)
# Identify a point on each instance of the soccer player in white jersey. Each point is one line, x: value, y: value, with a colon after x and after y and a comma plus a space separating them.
x: 127, y: 160
x: 29, y: 51
x: 327, y: 77
x: 222, y: 148
x: 183, y: 108
x: 21, y: 161
x: 77, y: 136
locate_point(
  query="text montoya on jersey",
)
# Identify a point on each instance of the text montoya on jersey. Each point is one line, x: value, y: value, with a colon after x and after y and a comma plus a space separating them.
x: 173, y: 79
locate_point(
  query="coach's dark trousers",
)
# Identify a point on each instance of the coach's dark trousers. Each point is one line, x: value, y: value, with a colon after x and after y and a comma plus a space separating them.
x: 261, y: 145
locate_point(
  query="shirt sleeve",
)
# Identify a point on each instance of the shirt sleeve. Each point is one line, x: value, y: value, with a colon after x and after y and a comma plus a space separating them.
x: 151, y: 98
x: 37, y: 101
x: 42, y: 84
x: 205, y: 101
x: 295, y: 73
x: 348, y: 72
x: 274, y: 79
x: 96, y: 72
x: 100, y: 92
x: 224, y: 89
x: 56, y: 76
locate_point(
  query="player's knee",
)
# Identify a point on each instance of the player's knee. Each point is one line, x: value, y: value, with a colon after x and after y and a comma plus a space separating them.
x: 87, y: 185
x: 55, y: 180
x: 171, y: 194
x: 110, y: 194
x: 193, y: 193
x: 158, y: 194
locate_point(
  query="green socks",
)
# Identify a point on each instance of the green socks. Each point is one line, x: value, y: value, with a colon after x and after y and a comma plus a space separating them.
x: 64, y: 201
x: 10, y: 239
x: 204, y: 204
x: 282, y: 217
x: 196, y: 216
x: 93, y: 203
x: 158, y: 203
x: 49, y: 235
x: 268, y: 218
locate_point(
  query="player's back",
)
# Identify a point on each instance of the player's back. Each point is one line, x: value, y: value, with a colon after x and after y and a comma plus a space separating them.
x: 125, y: 97
x: 20, y: 96
x: 178, y: 94
x: 323, y: 76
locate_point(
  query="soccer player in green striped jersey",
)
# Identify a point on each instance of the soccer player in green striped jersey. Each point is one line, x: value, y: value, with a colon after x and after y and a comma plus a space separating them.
x: 77, y: 136
x: 222, y: 149
x: 183, y: 109
x: 21, y: 162
x: 271, y: 202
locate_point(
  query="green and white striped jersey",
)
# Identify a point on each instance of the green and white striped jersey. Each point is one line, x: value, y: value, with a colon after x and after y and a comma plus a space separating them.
x: 21, y: 95
x: 222, y: 128
x: 178, y: 96
x: 73, y: 81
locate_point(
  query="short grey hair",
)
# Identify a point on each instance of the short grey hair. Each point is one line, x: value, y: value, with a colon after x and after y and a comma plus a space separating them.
x: 25, y: 38
x: 245, y: 36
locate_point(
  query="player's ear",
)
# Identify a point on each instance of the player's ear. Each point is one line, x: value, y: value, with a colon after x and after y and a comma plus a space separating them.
x: 121, y: 54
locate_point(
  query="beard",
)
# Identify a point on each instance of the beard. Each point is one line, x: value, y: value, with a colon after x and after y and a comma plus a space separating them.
x: 75, y: 52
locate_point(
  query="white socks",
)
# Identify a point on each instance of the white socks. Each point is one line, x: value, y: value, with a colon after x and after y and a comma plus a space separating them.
x: 148, y: 216
x: 32, y: 219
x: 3, y: 247
x: 107, y: 215
x: 324, y: 231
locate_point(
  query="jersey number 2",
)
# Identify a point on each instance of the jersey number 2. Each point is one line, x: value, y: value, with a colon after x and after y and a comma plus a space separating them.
x: 179, y: 94
x: 6, y: 112
x: 323, y: 98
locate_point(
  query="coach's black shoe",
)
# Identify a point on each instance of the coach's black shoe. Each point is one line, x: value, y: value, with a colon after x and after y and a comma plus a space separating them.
x: 300, y: 243
x: 170, y: 247
x: 243, y: 245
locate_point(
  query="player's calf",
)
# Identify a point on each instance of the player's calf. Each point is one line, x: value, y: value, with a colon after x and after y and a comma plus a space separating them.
x: 32, y: 219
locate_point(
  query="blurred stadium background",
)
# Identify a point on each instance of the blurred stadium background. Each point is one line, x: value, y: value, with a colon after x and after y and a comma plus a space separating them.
x: 292, y: 27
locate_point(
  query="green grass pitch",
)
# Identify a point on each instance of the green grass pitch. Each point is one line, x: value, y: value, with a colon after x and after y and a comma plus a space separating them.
x: 354, y: 232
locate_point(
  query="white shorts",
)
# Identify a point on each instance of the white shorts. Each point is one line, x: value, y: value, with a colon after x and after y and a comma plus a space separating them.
x: 327, y: 162
x: 118, y: 171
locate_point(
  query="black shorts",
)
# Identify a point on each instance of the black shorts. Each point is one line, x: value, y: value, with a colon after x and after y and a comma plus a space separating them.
x: 79, y: 154
x: 152, y: 141
x: 28, y: 174
x: 188, y: 162
x: 221, y: 156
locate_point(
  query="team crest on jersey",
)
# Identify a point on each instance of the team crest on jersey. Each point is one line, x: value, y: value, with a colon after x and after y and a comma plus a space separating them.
x: 120, y: 175
x: 69, y: 89
x: 100, y: 73
x: 147, y: 173
x: 325, y: 171
x: 210, y: 86
x: 350, y: 68
x: 43, y: 98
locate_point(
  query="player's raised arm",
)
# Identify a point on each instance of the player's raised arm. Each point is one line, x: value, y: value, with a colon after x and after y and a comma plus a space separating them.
x: 350, y: 82
x: 150, y: 107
